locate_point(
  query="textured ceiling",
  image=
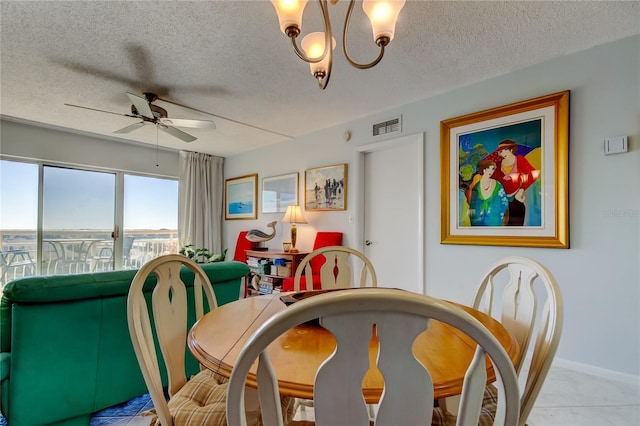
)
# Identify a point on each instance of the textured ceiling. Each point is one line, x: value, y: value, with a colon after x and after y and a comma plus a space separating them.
x: 229, y: 58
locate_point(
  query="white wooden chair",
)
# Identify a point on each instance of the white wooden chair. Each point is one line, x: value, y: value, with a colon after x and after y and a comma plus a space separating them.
x: 525, y: 282
x: 200, y: 399
x: 336, y: 272
x: 510, y: 291
x: 396, y: 317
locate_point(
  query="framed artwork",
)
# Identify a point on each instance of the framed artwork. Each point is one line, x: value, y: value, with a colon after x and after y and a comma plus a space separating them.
x: 241, y: 197
x: 279, y: 192
x: 504, y: 175
x: 325, y: 188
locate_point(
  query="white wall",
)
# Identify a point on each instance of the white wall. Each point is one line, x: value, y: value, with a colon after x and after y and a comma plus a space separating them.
x: 600, y: 273
x: 19, y: 139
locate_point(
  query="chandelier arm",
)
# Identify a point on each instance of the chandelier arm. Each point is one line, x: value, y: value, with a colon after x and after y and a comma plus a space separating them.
x: 328, y: 43
x: 382, y: 42
x: 323, y: 81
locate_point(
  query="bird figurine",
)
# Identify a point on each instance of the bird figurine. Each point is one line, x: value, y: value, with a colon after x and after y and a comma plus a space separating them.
x: 257, y: 236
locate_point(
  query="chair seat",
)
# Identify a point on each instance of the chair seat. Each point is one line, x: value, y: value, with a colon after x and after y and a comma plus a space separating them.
x: 202, y: 401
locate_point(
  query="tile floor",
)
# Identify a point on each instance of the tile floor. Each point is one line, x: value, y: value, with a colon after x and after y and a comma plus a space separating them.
x: 571, y: 398
x: 568, y: 398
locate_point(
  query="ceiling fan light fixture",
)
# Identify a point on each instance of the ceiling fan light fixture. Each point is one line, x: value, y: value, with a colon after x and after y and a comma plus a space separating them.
x: 383, y: 15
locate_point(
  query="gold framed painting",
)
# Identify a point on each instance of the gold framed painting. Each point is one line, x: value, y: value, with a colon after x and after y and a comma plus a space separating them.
x: 504, y: 175
x: 241, y: 197
x: 325, y: 188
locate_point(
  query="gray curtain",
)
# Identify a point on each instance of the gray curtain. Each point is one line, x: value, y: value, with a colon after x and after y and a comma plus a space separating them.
x: 200, y: 200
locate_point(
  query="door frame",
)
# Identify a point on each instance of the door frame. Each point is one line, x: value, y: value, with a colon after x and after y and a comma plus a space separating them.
x: 358, y: 172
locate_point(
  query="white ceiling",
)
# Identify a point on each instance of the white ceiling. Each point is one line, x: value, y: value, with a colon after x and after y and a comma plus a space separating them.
x: 229, y: 58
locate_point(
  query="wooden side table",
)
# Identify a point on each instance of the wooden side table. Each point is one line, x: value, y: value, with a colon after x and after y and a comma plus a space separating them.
x: 294, y: 258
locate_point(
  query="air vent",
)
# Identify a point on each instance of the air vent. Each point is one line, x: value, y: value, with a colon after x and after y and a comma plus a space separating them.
x: 389, y: 126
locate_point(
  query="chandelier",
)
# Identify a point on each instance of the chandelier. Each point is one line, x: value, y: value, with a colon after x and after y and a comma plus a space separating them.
x: 383, y: 15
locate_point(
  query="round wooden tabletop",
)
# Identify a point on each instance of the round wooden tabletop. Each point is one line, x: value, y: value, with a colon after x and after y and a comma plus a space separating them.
x: 216, y: 341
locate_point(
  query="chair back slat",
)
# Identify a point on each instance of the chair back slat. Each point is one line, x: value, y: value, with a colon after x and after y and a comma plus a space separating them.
x: 169, y: 301
x: 404, y: 376
x: 268, y: 392
x: 475, y: 380
x: 336, y: 272
x: 519, y: 304
x: 343, y: 370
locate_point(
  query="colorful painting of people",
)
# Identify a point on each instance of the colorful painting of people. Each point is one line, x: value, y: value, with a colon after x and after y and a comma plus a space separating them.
x: 516, y: 175
x: 499, y: 176
x: 487, y: 199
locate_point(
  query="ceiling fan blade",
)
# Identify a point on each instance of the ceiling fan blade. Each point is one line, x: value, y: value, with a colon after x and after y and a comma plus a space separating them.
x: 130, y: 128
x: 225, y: 118
x: 141, y: 105
x: 101, y: 110
x: 183, y: 122
x: 177, y: 133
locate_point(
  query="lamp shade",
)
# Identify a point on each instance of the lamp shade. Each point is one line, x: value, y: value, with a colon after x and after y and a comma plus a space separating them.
x: 294, y: 215
x: 383, y: 15
x: 289, y: 13
x: 313, y: 46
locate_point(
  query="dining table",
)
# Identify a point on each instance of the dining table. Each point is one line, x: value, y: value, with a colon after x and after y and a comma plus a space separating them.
x: 218, y: 337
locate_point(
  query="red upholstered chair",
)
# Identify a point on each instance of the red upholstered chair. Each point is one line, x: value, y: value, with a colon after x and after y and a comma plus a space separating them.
x: 241, y: 245
x: 241, y: 256
x: 323, y: 239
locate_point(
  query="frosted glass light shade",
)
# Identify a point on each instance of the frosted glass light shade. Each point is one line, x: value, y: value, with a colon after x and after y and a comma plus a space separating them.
x: 289, y: 13
x: 383, y: 15
x: 313, y: 46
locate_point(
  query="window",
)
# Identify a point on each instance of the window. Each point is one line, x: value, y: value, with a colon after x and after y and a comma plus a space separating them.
x: 82, y: 213
x: 18, y: 219
x: 150, y: 219
x: 78, y: 217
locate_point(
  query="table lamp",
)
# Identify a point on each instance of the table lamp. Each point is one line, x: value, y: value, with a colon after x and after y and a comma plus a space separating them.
x: 293, y: 216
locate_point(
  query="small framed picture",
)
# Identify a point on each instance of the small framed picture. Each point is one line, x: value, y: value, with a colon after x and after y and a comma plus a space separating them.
x: 279, y: 192
x: 504, y: 175
x: 325, y: 188
x: 241, y: 197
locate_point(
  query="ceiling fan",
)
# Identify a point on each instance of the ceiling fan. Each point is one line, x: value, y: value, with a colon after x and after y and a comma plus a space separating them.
x: 143, y: 109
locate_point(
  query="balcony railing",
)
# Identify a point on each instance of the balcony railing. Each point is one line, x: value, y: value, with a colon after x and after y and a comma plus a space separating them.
x: 74, y: 252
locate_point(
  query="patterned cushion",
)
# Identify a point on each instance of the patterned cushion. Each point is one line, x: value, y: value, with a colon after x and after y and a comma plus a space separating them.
x: 489, y: 406
x: 442, y: 417
x: 202, y: 401
x: 487, y: 412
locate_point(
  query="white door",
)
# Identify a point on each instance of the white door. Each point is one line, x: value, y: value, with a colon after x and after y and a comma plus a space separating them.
x: 393, y: 211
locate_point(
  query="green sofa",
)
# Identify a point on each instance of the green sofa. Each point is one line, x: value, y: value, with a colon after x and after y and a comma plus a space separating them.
x: 65, y: 349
